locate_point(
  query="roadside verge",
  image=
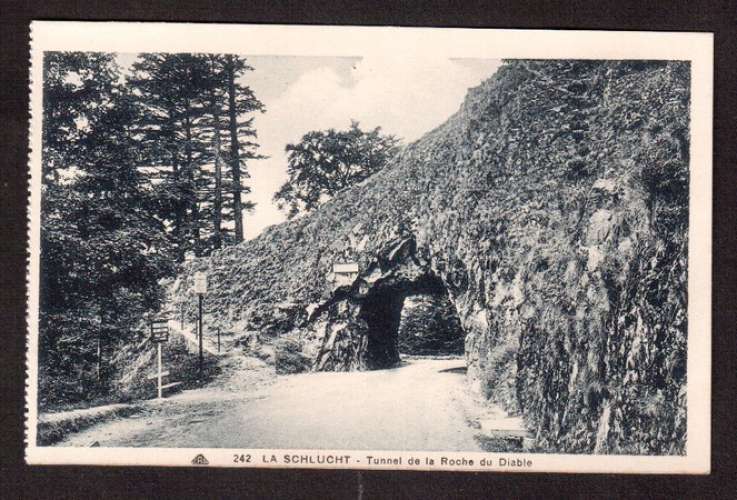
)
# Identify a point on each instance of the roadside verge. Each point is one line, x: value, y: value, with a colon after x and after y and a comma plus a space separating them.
x: 54, y: 427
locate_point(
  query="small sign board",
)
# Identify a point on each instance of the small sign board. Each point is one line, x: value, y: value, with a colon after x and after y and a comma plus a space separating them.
x: 344, y: 273
x: 160, y: 330
x: 345, y: 268
x: 200, y: 282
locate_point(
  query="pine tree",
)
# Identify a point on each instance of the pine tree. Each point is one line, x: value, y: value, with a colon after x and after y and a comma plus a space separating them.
x: 170, y: 98
x: 241, y: 101
x: 193, y: 107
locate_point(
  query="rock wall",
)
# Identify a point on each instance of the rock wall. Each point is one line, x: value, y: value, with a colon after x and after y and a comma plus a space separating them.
x: 553, y: 208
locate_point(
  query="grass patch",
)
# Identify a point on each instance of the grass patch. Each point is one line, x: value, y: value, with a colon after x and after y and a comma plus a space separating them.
x: 498, y: 443
x: 54, y: 427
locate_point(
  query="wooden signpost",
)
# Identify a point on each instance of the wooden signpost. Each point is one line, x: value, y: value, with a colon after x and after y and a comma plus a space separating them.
x: 200, y: 288
x: 159, y: 334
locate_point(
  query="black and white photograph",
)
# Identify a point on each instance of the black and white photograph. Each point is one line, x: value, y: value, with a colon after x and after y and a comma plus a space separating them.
x: 446, y: 251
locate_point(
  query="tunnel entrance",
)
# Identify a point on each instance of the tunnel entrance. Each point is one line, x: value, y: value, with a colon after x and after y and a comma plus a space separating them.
x: 430, y: 326
x: 410, y: 317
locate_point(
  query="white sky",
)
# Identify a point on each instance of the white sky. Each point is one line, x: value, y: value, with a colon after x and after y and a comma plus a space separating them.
x: 406, y: 98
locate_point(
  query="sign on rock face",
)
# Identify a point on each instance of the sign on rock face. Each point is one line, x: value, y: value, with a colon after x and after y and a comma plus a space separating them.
x: 345, y: 272
x: 345, y: 268
x: 200, y: 282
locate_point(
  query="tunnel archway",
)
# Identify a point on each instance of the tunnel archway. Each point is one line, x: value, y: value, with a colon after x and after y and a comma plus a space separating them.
x: 382, y: 308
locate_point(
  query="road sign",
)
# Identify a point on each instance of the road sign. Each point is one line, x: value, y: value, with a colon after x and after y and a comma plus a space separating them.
x: 345, y: 268
x: 200, y: 283
x: 200, y: 288
x: 344, y: 273
x: 160, y: 330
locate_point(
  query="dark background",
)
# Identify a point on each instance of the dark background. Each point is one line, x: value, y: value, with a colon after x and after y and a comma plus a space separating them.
x: 20, y: 481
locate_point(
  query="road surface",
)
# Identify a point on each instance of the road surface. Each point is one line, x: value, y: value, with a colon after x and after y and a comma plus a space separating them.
x: 417, y: 406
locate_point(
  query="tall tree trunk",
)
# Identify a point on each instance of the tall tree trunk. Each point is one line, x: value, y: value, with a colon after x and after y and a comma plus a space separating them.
x: 218, y: 203
x: 99, y: 350
x: 191, y: 188
x: 179, y: 206
x: 234, y: 151
x: 178, y: 214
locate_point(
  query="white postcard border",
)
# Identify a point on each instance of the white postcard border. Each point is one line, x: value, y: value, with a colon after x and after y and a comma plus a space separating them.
x: 252, y: 40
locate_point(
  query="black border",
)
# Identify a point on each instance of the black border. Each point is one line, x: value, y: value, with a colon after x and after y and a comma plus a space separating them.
x: 18, y: 480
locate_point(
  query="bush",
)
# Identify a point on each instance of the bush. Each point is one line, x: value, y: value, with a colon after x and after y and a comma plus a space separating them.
x: 289, y: 357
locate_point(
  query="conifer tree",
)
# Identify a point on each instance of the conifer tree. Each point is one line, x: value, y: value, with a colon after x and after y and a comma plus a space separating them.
x: 170, y: 96
x: 241, y: 101
x: 199, y: 142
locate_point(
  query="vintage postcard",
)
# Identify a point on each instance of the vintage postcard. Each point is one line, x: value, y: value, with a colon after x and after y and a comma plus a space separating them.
x: 369, y: 248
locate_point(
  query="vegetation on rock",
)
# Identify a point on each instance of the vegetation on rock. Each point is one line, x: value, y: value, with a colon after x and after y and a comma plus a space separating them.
x: 288, y: 357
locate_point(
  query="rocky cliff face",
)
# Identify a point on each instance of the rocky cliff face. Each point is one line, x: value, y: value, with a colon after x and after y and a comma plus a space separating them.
x: 552, y: 210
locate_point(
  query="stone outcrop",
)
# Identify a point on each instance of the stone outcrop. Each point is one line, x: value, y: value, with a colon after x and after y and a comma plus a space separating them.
x: 552, y: 209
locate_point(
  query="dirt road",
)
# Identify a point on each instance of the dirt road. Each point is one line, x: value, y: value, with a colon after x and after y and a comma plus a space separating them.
x: 416, y: 406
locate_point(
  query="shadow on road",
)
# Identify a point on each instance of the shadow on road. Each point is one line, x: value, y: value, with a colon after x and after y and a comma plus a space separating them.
x: 458, y: 369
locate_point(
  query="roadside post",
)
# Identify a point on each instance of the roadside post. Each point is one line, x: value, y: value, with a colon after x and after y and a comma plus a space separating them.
x: 200, y: 288
x: 159, y: 335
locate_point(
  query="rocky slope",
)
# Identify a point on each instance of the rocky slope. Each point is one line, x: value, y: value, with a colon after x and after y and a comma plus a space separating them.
x: 552, y: 209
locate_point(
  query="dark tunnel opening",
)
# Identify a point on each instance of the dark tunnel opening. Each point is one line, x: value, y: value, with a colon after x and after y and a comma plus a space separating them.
x: 382, y: 312
x: 396, y: 324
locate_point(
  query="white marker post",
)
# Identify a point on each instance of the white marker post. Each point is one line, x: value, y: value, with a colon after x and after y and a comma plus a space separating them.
x: 158, y: 348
